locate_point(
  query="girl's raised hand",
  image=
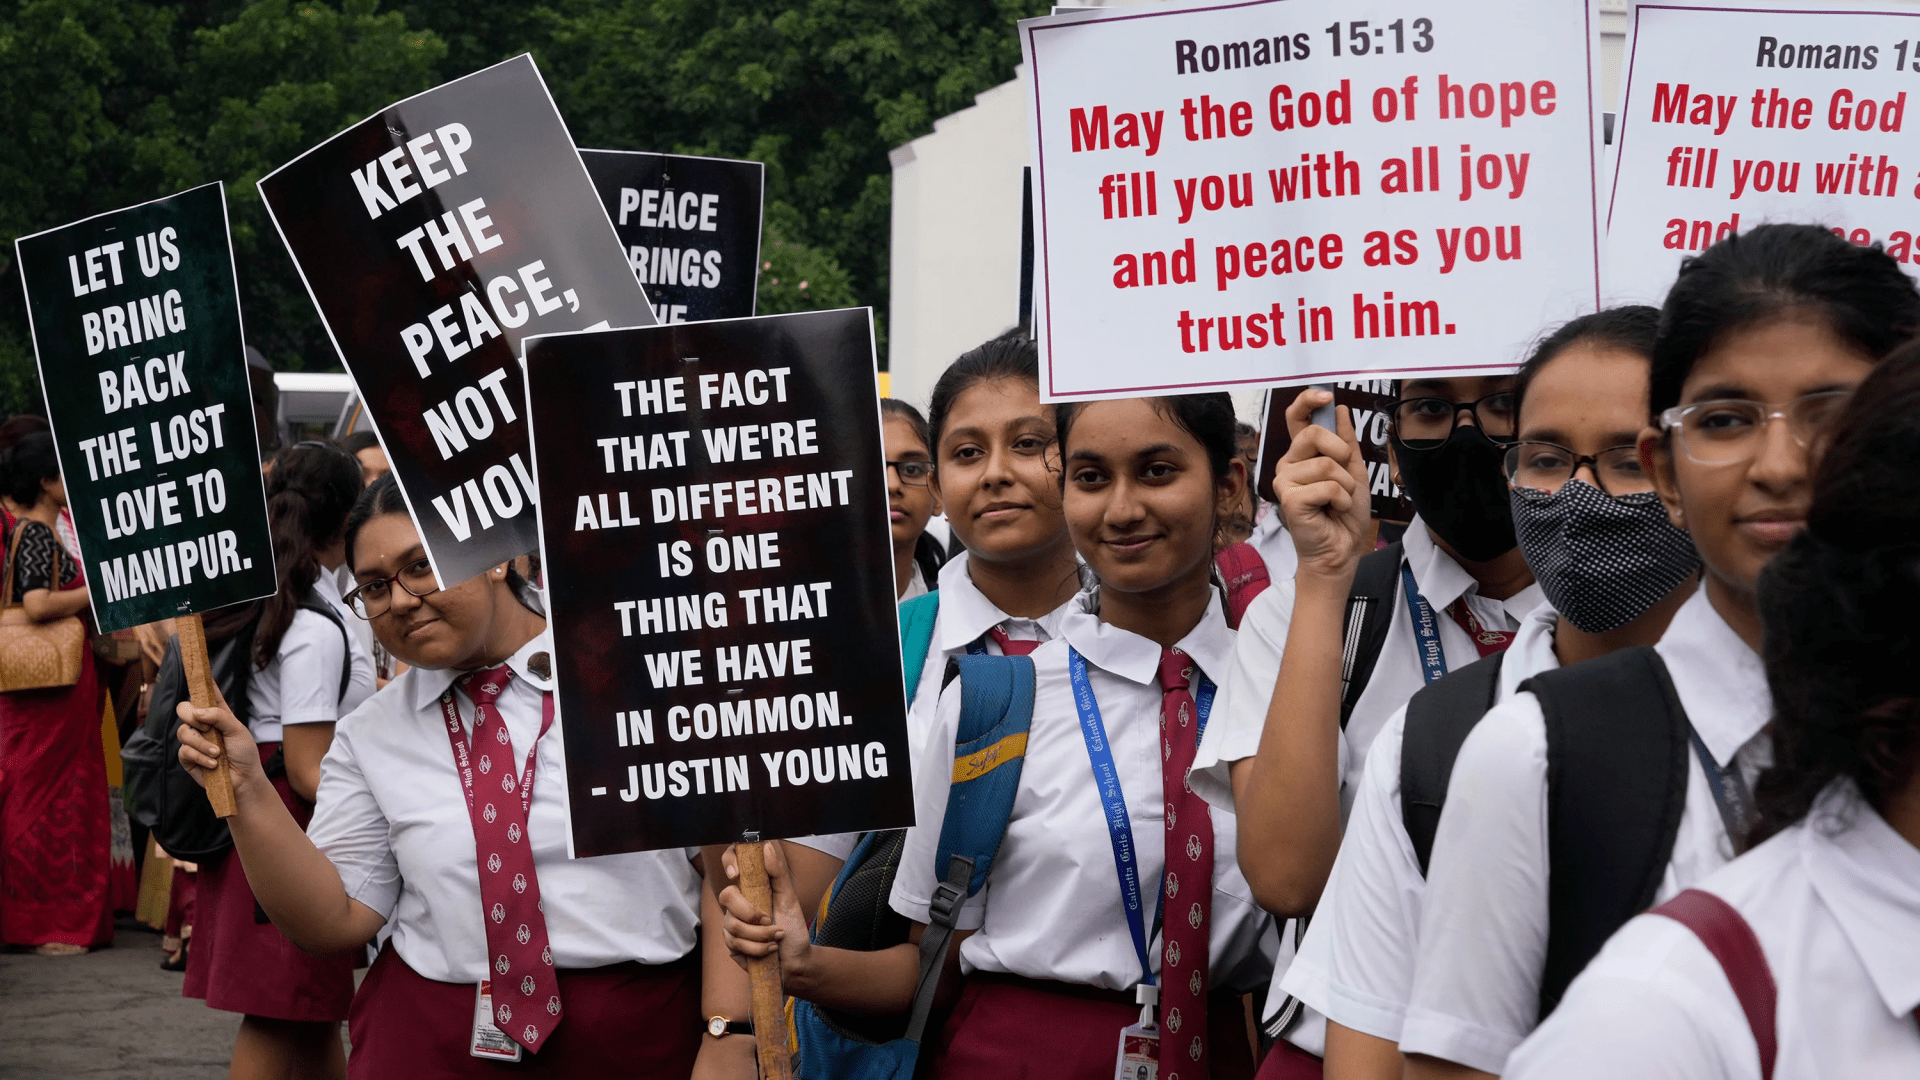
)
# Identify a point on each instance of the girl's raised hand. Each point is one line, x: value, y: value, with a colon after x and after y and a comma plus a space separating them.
x: 1321, y: 484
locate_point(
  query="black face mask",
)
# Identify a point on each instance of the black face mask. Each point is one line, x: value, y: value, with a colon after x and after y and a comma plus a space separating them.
x: 1460, y: 491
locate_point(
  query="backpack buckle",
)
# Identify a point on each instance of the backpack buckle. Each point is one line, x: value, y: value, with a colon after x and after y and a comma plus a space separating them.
x: 951, y: 893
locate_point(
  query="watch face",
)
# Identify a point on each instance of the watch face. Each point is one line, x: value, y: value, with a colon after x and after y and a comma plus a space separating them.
x: 717, y: 1026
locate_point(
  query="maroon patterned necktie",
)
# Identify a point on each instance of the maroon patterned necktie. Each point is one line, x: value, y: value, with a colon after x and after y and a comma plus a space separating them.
x: 1189, y: 904
x: 1011, y: 646
x: 526, y: 987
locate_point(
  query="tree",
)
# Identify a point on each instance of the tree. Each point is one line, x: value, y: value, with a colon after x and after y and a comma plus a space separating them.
x: 104, y: 103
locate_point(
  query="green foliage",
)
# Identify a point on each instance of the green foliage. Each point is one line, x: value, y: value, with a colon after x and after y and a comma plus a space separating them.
x: 104, y: 103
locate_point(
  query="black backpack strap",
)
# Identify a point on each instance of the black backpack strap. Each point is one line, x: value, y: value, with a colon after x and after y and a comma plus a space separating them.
x: 1369, y: 612
x: 1439, y: 719
x: 1616, y: 787
x: 321, y: 607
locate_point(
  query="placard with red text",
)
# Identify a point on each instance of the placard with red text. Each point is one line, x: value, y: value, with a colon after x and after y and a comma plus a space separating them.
x: 1731, y: 117
x: 1282, y: 192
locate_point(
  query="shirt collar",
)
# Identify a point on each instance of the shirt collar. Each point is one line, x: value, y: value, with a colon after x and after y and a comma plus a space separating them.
x: 1720, y: 680
x: 428, y: 686
x: 966, y: 613
x: 1135, y: 658
x: 328, y: 586
x: 1443, y: 580
x: 1532, y: 650
x: 1869, y: 878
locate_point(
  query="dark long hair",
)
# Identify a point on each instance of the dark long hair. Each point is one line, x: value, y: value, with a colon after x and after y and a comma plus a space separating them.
x: 1012, y: 355
x: 1746, y: 280
x: 1632, y: 329
x: 309, y: 493
x: 25, y: 464
x: 1838, y: 605
x: 1207, y: 417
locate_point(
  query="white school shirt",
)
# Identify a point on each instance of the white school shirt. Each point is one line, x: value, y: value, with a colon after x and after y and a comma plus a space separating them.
x: 965, y: 615
x: 1356, y: 965
x: 1835, y: 902
x: 916, y: 584
x: 1483, y: 932
x: 1275, y: 545
x: 1241, y: 713
x: 1051, y: 907
x: 392, y: 817
x: 301, y: 684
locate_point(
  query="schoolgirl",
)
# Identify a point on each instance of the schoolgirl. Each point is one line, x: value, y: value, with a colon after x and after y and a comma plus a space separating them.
x: 911, y: 502
x: 1060, y: 941
x: 1007, y: 589
x: 1297, y: 713
x: 307, y: 673
x: 1614, y: 570
x: 1798, y: 959
x: 1652, y: 752
x: 500, y: 947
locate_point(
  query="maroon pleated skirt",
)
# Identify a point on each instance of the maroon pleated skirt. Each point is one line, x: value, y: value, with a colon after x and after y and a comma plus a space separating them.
x: 241, y: 963
x: 1011, y: 1028
x: 639, y: 1021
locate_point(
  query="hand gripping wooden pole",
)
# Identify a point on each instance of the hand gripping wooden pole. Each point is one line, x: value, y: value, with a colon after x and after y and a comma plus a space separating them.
x: 763, y: 975
x: 193, y: 658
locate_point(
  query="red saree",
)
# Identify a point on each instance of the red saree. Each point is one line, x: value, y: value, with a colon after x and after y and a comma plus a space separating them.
x: 54, y: 832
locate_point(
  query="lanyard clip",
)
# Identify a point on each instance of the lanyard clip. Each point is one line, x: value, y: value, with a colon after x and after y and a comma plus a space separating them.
x: 1148, y: 995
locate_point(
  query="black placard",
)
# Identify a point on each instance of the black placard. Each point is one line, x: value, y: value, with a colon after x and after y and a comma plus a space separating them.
x: 1368, y: 400
x: 434, y: 236
x: 720, y: 576
x: 136, y: 326
x: 690, y: 227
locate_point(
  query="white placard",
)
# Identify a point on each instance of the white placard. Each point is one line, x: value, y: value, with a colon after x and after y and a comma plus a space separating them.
x: 1304, y: 190
x: 1731, y: 117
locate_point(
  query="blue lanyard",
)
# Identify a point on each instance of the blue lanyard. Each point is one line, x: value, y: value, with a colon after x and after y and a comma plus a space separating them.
x: 1729, y: 791
x: 1119, y: 825
x: 1426, y: 627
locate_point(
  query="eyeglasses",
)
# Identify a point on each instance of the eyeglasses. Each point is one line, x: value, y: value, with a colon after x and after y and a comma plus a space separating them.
x: 912, y: 472
x: 1726, y: 431
x: 1545, y: 466
x: 370, y: 601
x: 1425, y: 422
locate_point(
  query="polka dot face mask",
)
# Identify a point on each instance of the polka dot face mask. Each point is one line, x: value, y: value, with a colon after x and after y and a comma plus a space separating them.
x: 1602, y: 562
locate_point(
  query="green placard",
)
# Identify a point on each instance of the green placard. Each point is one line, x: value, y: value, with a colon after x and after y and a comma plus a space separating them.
x: 136, y: 326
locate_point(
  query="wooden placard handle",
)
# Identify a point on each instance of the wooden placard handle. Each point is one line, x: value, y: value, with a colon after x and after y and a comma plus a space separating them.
x: 763, y: 974
x: 199, y: 669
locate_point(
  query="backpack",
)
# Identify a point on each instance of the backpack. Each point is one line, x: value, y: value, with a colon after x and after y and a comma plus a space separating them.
x: 1616, y: 786
x: 1439, y: 718
x: 917, y: 617
x: 160, y: 793
x: 1731, y: 940
x: 1369, y: 613
x: 996, y: 711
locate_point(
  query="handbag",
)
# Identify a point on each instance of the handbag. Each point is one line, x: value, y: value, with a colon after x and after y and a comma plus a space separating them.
x: 36, y: 655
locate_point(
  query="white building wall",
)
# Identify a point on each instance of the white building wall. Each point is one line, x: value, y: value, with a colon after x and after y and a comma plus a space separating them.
x: 955, y: 266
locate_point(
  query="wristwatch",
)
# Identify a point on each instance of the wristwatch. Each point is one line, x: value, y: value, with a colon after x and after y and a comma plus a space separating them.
x: 720, y: 1027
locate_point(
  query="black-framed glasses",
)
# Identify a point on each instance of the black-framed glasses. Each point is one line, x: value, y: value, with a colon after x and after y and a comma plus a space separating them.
x: 912, y: 472
x: 1724, y: 431
x: 370, y: 601
x: 1546, y: 466
x: 1426, y: 422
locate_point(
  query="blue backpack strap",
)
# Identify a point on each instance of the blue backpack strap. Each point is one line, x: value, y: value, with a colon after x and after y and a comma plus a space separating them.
x: 916, y: 637
x: 990, y: 747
